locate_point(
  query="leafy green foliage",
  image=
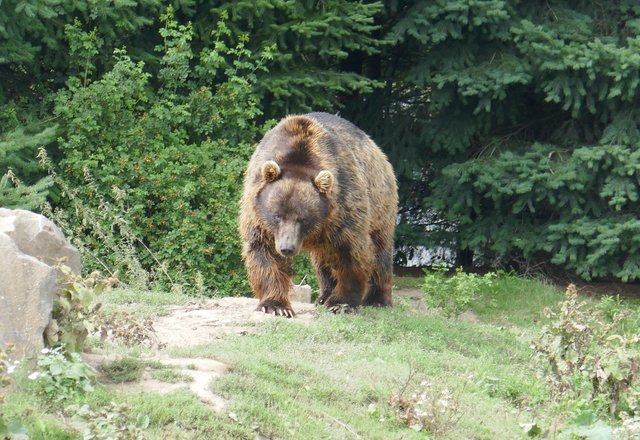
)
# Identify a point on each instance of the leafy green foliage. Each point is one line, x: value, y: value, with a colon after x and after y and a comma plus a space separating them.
x: 513, y: 129
x: 34, y: 56
x: 512, y: 126
x: 163, y: 169
x: 314, y: 42
x: 21, y: 183
x: 590, y: 358
x: 114, y: 421
x: 74, y: 308
x: 453, y: 294
x: 61, y: 375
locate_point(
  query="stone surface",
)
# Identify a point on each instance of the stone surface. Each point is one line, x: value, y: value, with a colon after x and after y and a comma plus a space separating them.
x: 301, y: 293
x: 27, y: 290
x: 36, y: 235
x: 30, y: 246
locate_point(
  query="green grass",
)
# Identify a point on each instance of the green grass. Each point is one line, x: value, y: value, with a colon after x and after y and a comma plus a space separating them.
x: 340, y: 365
x: 516, y: 301
x: 171, y: 376
x: 407, y: 282
x: 333, y: 378
x: 142, y: 303
x: 123, y: 370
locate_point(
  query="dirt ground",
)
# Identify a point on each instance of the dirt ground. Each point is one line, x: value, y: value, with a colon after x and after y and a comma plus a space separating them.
x: 205, y: 322
x: 192, y: 325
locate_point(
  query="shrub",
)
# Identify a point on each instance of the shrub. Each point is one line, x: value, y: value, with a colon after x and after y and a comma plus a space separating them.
x: 590, y: 358
x: 454, y: 293
x: 74, y: 307
x: 155, y: 164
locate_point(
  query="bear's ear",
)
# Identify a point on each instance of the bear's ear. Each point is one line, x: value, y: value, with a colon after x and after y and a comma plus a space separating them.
x: 270, y: 171
x: 324, y: 181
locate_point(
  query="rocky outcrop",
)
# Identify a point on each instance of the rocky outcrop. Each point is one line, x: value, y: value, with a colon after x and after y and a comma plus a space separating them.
x: 36, y: 235
x: 30, y: 247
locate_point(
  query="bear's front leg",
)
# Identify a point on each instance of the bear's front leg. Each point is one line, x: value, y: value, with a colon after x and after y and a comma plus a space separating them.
x: 270, y: 277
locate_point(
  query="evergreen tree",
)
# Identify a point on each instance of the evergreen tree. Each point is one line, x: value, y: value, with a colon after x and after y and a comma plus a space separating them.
x: 20, y: 183
x: 514, y: 128
x: 315, y: 41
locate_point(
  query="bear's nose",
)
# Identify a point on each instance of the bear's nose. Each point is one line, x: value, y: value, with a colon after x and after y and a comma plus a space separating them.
x: 287, y: 251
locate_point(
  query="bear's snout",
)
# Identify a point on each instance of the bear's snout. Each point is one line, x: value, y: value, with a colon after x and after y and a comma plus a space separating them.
x: 288, y: 239
x: 287, y: 251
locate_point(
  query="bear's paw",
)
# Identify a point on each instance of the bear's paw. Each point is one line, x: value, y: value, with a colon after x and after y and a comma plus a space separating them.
x: 276, y: 307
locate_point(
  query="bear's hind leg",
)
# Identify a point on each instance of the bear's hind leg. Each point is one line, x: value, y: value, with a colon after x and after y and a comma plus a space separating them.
x: 381, y: 277
x: 352, y: 272
x: 326, y: 281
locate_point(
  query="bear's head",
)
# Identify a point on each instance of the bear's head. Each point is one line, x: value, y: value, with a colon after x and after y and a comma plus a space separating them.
x: 293, y: 203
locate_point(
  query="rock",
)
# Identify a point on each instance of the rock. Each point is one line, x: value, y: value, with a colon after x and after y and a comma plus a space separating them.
x: 36, y: 235
x: 27, y: 291
x: 301, y: 293
x: 30, y: 246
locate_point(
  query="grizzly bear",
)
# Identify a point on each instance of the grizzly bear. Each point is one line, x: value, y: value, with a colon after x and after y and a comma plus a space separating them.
x: 319, y: 184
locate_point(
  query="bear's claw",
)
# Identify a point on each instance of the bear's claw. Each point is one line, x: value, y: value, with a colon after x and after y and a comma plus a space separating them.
x: 277, y: 308
x: 342, y: 308
x: 339, y: 305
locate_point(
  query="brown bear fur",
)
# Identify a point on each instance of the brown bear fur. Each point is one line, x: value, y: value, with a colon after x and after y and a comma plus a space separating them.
x: 318, y: 183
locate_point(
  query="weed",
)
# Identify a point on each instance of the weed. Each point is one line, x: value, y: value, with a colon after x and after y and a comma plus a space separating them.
x: 73, y: 308
x: 112, y: 422
x: 453, y: 294
x: 123, y: 370
x: 61, y: 375
x: 587, y: 354
x: 122, y: 327
x: 430, y: 407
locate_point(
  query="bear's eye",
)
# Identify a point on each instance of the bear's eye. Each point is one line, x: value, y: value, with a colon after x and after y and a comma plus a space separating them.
x: 277, y: 218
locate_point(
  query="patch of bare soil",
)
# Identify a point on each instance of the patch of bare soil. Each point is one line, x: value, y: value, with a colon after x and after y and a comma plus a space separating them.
x: 201, y: 371
x: 206, y: 322
x: 197, y: 324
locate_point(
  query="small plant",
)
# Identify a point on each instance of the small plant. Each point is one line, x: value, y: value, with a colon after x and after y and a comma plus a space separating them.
x: 589, y: 357
x: 8, y: 428
x: 121, y: 327
x: 453, y: 294
x: 73, y: 308
x: 123, y: 370
x: 61, y: 375
x: 110, y: 423
x: 431, y: 408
